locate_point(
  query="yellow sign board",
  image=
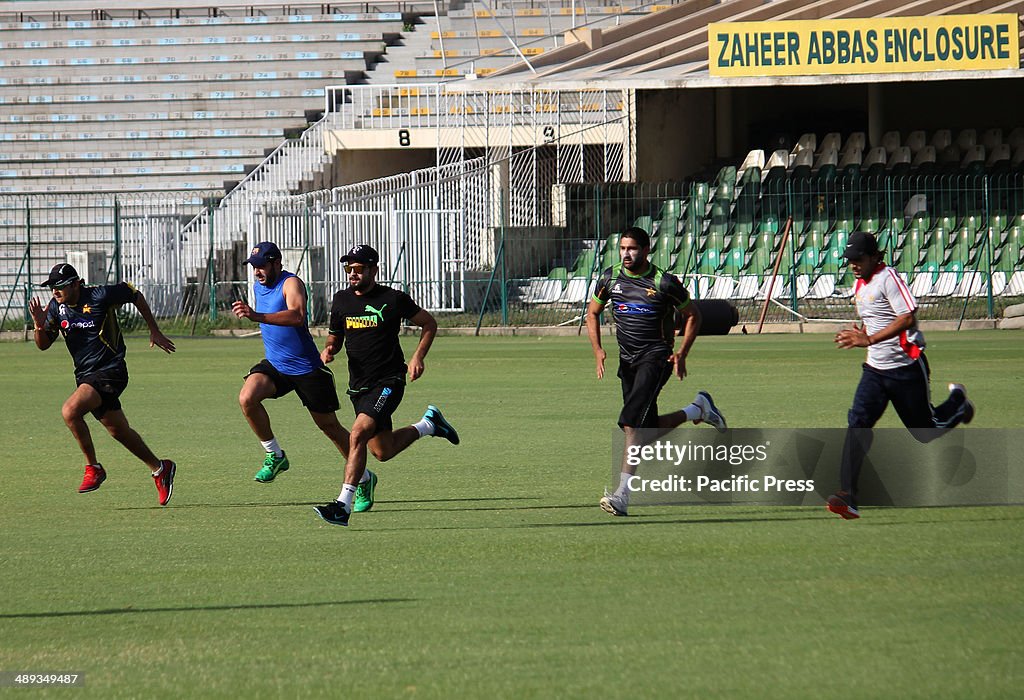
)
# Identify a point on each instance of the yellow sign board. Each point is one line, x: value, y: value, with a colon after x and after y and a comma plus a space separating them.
x: 845, y: 46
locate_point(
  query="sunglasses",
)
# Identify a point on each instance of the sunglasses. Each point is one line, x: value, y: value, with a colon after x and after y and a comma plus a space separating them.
x: 356, y: 268
x: 65, y: 283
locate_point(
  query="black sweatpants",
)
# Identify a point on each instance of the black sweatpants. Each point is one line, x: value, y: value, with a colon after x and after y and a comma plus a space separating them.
x: 906, y: 388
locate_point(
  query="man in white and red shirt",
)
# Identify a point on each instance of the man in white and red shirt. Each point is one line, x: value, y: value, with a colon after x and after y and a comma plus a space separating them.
x: 896, y: 370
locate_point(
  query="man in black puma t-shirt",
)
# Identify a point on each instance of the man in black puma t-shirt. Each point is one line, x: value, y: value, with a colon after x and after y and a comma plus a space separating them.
x: 367, y: 318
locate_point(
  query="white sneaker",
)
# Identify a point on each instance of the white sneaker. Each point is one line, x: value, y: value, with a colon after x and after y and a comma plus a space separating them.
x: 709, y: 413
x: 968, y: 405
x: 614, y: 504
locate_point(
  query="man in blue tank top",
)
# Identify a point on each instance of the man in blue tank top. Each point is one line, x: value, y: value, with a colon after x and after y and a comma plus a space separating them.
x: 292, y: 361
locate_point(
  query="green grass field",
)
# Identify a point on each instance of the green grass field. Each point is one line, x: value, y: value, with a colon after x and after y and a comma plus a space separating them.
x: 487, y: 569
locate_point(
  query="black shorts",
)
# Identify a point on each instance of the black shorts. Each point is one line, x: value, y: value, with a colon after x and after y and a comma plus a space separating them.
x: 642, y: 381
x: 379, y: 402
x: 109, y: 384
x: 315, y: 389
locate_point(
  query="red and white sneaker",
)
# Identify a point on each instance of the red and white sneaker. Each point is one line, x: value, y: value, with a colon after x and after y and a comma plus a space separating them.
x: 95, y: 475
x: 842, y: 505
x: 164, y: 480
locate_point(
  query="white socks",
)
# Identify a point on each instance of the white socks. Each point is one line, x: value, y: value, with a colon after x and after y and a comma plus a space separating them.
x: 366, y: 476
x: 693, y: 412
x: 348, y: 492
x: 272, y: 446
x: 623, y: 490
x: 424, y: 427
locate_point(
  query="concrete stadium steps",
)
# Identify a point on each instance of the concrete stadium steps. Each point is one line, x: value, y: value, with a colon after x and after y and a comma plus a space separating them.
x: 99, y: 149
x: 122, y: 158
x: 223, y: 136
x: 463, y: 42
x: 157, y: 186
x: 106, y: 84
x: 137, y: 169
x: 469, y: 62
x: 142, y: 101
x: 170, y: 62
x: 187, y: 55
x: 141, y: 119
x: 137, y: 76
x: 468, y: 41
x: 368, y: 41
x: 226, y: 21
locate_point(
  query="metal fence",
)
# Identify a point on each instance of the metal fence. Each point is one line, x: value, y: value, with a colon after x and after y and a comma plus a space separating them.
x: 478, y: 244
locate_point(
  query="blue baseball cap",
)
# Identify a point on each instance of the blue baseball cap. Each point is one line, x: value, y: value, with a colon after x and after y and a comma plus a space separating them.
x: 263, y: 253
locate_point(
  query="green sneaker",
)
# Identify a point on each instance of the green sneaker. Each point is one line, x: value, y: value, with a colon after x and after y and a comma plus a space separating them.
x: 271, y: 467
x: 364, y: 494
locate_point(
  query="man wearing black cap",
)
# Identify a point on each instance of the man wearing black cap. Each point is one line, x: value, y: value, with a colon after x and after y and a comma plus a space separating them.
x: 896, y: 370
x: 367, y: 318
x: 292, y: 361
x: 86, y: 317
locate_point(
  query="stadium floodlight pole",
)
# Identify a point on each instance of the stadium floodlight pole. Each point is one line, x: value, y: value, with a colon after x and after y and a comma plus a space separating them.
x: 775, y: 272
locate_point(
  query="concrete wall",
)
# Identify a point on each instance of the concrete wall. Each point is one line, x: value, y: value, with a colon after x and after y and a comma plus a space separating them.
x: 361, y: 165
x: 673, y: 133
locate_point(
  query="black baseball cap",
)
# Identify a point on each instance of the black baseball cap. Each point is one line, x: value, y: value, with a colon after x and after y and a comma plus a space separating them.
x: 262, y: 253
x: 60, y: 276
x: 361, y: 254
x: 860, y: 244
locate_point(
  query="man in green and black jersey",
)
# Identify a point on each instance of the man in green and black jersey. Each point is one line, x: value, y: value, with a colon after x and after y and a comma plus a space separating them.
x: 86, y: 318
x: 367, y: 318
x: 644, y: 300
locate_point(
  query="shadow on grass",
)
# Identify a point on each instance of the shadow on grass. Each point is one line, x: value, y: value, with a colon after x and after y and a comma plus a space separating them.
x: 198, y: 608
x: 386, y: 509
x: 291, y: 504
x: 610, y: 521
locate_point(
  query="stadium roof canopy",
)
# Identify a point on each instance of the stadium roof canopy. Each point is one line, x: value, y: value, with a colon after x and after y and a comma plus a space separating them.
x: 669, y: 48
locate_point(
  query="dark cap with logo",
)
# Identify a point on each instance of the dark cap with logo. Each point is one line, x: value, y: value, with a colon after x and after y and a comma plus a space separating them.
x: 263, y: 253
x: 361, y: 254
x: 860, y: 244
x: 60, y: 276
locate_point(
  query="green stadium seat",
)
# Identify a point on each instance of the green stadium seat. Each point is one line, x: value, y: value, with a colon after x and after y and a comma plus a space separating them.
x: 560, y: 274
x: 1006, y: 256
x: 610, y: 251
x: 809, y: 255
x: 585, y: 264
x: 725, y: 184
x: 647, y: 224
x: 684, y: 264
x: 662, y: 255
x: 773, y: 188
x: 800, y: 187
x: 747, y: 198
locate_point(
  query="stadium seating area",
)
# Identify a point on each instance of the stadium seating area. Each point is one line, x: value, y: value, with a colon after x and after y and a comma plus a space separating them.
x: 148, y: 99
x: 192, y: 97
x: 946, y: 207
x: 485, y: 37
x: 142, y: 101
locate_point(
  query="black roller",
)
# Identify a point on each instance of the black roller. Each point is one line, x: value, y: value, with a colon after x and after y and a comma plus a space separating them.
x: 718, y: 315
